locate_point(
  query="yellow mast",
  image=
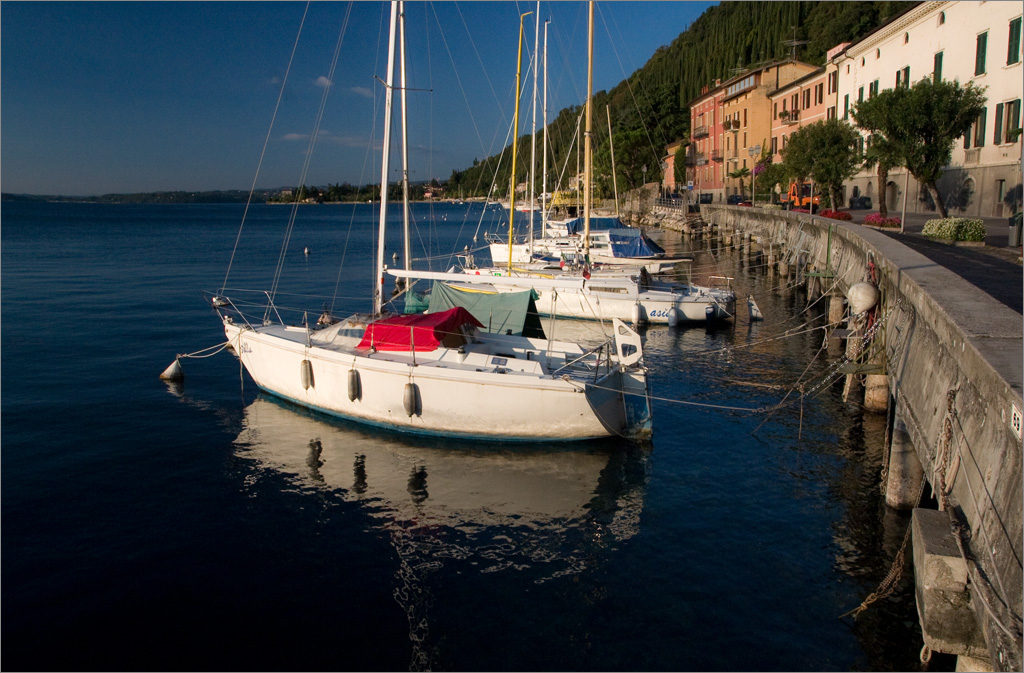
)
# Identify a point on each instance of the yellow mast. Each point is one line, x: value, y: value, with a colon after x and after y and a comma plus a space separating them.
x: 515, y: 143
x: 587, y: 148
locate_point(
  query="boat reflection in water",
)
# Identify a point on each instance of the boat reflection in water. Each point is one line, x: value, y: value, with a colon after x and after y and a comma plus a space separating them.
x: 547, y: 509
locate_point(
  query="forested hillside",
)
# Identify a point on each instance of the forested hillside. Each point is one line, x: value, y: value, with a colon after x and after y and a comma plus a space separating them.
x: 649, y: 109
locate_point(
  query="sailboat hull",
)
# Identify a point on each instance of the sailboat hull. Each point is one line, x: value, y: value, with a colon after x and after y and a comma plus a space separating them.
x: 512, y: 401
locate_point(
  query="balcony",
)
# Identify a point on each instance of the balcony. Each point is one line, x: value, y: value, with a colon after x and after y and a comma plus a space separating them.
x: 716, y: 155
x: 972, y: 156
x: 700, y: 132
x: 790, y: 117
x: 696, y: 159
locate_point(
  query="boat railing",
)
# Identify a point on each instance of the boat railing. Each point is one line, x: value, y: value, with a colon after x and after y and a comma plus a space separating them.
x: 721, y: 281
x: 580, y: 364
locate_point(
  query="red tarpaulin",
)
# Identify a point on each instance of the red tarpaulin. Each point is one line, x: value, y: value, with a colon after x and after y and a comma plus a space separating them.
x: 426, y: 331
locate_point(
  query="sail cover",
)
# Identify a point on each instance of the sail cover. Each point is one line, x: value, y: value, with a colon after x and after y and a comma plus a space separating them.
x: 575, y: 226
x: 500, y: 312
x: 419, y: 332
x: 632, y: 243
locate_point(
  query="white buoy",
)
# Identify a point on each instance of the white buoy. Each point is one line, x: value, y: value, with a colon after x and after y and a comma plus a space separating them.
x: 306, y: 251
x: 173, y: 372
x: 306, y: 370
x: 862, y: 297
x: 355, y: 390
x: 412, y: 399
x: 753, y: 310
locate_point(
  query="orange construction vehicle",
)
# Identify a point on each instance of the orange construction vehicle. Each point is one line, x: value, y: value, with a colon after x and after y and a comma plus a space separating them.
x: 799, y: 196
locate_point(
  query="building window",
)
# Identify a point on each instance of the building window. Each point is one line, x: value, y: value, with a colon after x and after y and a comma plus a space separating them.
x: 775, y: 145
x: 1012, y: 121
x: 744, y: 116
x: 942, y: 18
x: 979, y: 129
x: 862, y: 62
x: 1013, y: 51
x: 833, y: 82
x: 873, y: 89
x: 775, y: 111
x: 795, y: 102
x: 860, y: 95
x: 819, y: 94
x: 937, y: 68
x: 878, y: 53
x: 831, y: 114
x: 846, y: 106
x: 906, y: 38
x: 979, y: 55
x: 903, y: 77
x: 807, y: 98
x: 997, y: 137
x: 783, y: 141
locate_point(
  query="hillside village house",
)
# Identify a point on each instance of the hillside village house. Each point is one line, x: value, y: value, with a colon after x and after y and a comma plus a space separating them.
x: 732, y: 122
x: 974, y: 41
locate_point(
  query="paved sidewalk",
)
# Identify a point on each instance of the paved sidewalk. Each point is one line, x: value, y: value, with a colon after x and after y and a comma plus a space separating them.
x: 993, y: 268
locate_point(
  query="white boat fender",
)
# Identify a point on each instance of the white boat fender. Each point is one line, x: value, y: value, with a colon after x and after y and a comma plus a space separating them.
x: 862, y: 297
x: 752, y: 309
x: 412, y: 399
x: 173, y: 372
x: 355, y: 390
x: 673, y: 317
x: 306, y: 369
x: 635, y: 315
x: 709, y: 312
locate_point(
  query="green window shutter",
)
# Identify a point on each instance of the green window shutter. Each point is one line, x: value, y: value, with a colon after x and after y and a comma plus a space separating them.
x: 997, y: 138
x: 937, y: 69
x: 1013, y: 51
x: 979, y: 56
x: 967, y: 137
x: 979, y: 135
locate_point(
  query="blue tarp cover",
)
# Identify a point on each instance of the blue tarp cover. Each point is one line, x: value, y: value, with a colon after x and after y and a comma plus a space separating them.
x: 634, y: 245
x: 596, y: 224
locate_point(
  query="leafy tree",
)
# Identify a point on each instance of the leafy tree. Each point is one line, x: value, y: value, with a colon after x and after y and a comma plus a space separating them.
x: 825, y: 152
x: 922, y: 123
x: 679, y: 165
x: 884, y: 156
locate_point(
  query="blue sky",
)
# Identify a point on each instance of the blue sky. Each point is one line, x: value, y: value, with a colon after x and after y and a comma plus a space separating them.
x: 127, y: 97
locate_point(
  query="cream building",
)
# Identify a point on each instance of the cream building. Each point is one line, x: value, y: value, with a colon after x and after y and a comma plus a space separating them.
x: 972, y: 41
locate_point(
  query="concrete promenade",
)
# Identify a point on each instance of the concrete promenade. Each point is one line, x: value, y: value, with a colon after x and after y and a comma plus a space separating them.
x: 993, y: 268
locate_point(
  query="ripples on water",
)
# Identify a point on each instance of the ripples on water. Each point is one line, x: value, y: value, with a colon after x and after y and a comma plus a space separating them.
x: 207, y: 526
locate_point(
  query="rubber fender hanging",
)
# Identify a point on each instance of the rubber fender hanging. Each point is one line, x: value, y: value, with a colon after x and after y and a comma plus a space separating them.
x: 412, y: 399
x: 306, y: 370
x: 355, y: 389
x: 673, y: 317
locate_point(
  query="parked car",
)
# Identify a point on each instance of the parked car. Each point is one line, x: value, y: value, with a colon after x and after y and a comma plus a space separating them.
x: 734, y: 200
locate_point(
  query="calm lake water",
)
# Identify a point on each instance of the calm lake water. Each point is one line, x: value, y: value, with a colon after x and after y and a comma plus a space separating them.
x: 206, y: 526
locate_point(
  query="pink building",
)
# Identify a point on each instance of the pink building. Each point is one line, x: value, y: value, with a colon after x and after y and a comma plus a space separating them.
x: 704, y: 158
x: 810, y: 99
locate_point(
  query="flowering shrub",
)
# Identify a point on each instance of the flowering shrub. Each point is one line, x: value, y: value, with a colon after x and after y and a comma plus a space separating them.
x: 836, y: 215
x: 800, y: 210
x: 955, y: 229
x: 876, y: 220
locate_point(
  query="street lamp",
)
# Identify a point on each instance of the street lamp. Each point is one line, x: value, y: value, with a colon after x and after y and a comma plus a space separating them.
x: 755, y: 152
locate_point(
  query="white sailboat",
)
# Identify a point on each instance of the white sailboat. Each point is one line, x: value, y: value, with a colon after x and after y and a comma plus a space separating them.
x: 438, y: 374
x: 586, y: 293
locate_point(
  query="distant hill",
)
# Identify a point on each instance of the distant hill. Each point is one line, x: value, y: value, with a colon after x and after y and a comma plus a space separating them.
x: 231, y: 196
x: 649, y: 108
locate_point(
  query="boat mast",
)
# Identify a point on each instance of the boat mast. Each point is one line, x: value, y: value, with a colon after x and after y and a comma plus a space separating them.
x: 611, y: 148
x: 406, y: 252
x: 544, y: 145
x: 533, y: 130
x: 378, y: 290
x: 515, y: 142
x: 587, y: 148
